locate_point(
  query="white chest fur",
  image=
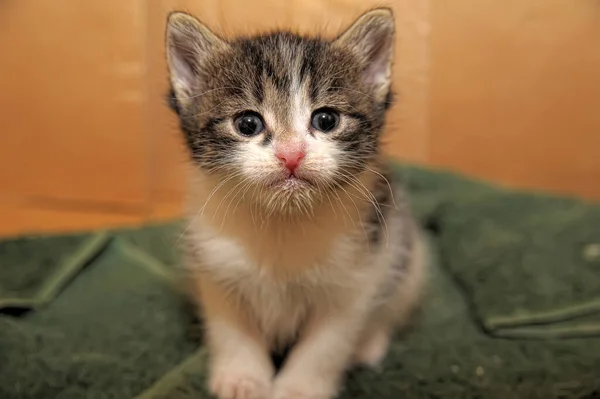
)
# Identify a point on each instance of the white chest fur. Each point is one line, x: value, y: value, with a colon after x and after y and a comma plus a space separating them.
x: 280, y: 302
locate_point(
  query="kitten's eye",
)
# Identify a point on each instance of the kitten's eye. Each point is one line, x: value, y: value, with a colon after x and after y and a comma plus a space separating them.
x: 249, y: 124
x: 325, y: 120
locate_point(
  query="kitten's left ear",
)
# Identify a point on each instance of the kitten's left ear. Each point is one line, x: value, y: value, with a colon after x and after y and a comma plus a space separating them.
x: 189, y: 44
x: 371, y: 37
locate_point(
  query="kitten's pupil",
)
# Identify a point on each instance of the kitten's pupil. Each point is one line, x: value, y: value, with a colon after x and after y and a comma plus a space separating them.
x: 249, y: 124
x: 325, y: 120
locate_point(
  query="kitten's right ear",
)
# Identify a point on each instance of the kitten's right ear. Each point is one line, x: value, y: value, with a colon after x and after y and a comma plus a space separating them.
x: 189, y: 43
x: 371, y: 38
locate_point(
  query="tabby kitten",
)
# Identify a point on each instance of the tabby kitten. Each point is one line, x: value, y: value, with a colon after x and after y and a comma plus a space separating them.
x: 294, y: 236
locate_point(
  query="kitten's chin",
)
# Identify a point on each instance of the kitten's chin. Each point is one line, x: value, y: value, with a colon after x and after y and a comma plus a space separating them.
x: 289, y: 196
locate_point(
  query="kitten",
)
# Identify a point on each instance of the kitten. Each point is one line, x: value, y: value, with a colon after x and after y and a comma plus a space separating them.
x: 293, y: 236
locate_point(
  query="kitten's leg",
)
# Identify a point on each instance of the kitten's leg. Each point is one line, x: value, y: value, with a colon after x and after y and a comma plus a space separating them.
x: 240, y: 365
x: 373, y: 346
x: 316, y: 365
x: 395, y: 314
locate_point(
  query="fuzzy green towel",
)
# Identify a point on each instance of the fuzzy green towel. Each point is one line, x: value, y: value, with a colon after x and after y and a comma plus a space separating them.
x: 534, y: 263
x: 529, y: 263
x: 100, y: 316
x: 34, y: 269
x: 115, y: 329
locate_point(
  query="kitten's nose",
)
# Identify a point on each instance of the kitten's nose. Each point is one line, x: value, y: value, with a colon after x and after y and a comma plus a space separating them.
x: 290, y: 157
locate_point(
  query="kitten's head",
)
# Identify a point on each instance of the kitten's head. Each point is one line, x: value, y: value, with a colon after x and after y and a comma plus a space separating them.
x: 286, y: 116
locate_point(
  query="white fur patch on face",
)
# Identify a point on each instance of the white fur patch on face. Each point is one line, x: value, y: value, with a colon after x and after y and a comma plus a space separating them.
x: 321, y: 158
x: 321, y: 155
x: 301, y: 108
x: 258, y: 160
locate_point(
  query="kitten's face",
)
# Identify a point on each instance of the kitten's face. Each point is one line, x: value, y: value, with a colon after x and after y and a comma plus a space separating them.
x: 287, y: 117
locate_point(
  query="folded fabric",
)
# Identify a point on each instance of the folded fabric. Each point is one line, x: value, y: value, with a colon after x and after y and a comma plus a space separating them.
x: 162, y: 241
x: 530, y: 264
x: 34, y: 269
x: 115, y: 329
x: 430, y: 189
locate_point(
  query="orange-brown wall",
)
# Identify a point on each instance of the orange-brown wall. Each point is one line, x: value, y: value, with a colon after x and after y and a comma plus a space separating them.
x: 515, y: 92
x: 507, y: 91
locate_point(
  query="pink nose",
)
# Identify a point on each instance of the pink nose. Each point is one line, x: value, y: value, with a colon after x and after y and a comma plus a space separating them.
x: 290, y: 157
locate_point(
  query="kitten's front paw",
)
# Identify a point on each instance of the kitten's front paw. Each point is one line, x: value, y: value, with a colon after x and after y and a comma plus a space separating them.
x: 240, y: 381
x: 373, y: 349
x: 288, y: 387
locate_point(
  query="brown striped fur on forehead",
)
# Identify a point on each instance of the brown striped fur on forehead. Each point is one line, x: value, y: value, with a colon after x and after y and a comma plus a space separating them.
x: 265, y: 71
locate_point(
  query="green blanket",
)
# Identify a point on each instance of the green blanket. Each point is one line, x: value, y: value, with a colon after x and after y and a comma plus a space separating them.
x: 511, y: 309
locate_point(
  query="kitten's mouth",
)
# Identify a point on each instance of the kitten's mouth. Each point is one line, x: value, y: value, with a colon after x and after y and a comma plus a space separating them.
x: 291, y: 182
